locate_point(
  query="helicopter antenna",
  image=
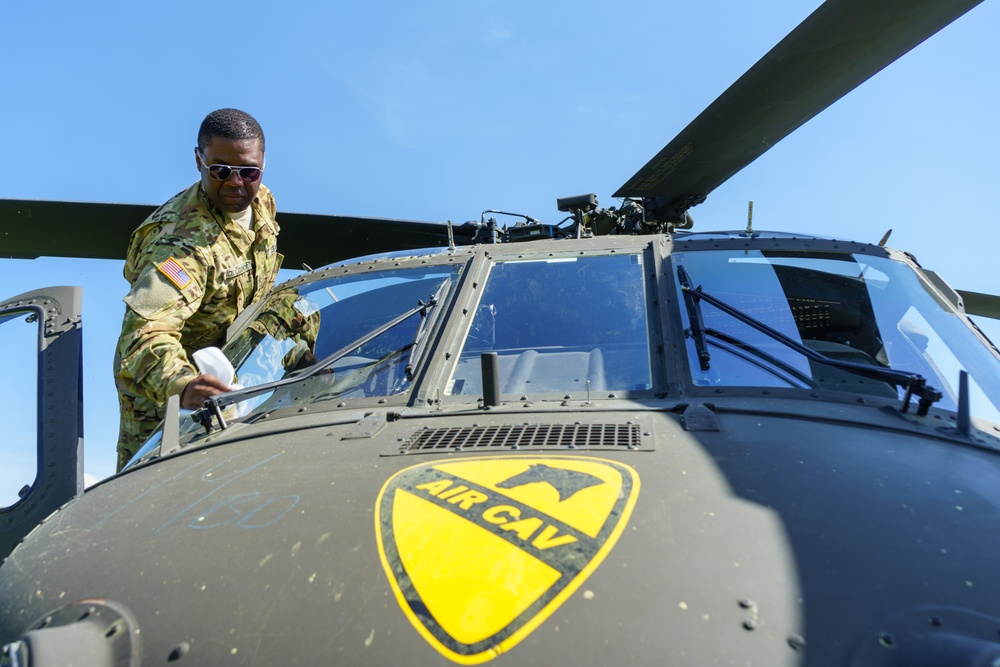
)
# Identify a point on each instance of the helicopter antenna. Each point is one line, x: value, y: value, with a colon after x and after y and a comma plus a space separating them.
x: 750, y: 219
x: 885, y: 238
x: 451, y: 238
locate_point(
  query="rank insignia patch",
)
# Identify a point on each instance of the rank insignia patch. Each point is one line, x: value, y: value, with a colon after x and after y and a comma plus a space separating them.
x: 479, y: 552
x: 175, y: 273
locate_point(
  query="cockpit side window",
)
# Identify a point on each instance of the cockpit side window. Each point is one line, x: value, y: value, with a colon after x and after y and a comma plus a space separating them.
x: 360, y: 329
x: 560, y: 325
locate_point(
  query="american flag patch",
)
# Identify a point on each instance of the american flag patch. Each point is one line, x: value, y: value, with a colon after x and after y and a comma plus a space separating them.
x: 175, y: 273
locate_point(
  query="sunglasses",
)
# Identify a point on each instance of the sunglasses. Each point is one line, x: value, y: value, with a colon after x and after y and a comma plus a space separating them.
x: 222, y: 172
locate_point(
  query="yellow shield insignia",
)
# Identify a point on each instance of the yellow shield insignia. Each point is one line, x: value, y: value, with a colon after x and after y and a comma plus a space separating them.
x: 481, y: 551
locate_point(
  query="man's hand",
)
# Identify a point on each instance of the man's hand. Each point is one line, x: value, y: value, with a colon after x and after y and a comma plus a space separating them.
x: 200, y: 388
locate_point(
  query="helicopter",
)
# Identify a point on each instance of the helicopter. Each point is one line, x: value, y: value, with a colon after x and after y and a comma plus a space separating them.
x: 613, y: 439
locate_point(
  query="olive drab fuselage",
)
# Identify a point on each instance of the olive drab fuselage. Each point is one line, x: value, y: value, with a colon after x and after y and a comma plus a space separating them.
x: 618, y: 503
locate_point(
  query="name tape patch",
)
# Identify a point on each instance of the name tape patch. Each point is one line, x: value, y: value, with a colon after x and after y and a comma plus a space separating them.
x: 237, y: 270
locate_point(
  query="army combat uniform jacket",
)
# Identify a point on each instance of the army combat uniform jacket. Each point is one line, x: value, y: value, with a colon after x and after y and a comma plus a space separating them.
x: 192, y: 271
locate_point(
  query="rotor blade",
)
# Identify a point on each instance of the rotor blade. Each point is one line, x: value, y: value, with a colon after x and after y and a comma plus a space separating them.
x: 841, y: 45
x: 30, y: 228
x: 984, y: 305
x: 321, y: 239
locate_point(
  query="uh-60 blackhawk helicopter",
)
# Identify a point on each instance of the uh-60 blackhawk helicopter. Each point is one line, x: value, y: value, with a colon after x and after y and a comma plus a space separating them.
x: 612, y: 440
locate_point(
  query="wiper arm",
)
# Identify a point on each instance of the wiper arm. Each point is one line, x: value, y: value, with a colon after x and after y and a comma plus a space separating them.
x: 214, y: 404
x: 691, y: 297
x: 915, y: 384
x: 419, y: 337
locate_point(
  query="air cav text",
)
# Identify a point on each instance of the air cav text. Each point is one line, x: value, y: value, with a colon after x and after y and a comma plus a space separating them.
x: 531, y: 529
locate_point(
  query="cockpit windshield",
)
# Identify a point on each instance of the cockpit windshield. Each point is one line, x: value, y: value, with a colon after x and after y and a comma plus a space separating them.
x: 858, y: 308
x: 349, y: 337
x: 568, y: 324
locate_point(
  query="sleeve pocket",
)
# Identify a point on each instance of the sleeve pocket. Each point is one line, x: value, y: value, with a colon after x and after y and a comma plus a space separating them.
x: 154, y: 296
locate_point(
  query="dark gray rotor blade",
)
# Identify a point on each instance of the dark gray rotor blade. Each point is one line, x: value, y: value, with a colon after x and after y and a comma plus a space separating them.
x: 31, y: 228
x: 313, y: 239
x: 977, y: 303
x: 841, y: 45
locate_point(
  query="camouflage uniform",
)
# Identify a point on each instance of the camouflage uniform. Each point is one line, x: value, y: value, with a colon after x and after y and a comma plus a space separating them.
x: 292, y: 317
x: 192, y: 271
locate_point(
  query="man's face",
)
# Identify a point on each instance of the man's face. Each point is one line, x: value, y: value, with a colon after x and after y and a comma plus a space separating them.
x: 232, y: 195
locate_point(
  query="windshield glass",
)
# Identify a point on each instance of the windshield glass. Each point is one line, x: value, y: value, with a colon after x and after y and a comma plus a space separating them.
x: 298, y: 327
x: 573, y: 324
x: 858, y: 308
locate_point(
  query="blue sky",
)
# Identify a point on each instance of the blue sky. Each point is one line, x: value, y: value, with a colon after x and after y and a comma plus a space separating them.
x: 439, y: 110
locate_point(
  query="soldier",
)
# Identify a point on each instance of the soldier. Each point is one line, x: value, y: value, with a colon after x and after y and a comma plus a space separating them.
x: 194, y: 265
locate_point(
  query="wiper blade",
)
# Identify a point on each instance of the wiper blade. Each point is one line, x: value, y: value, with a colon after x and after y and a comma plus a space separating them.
x: 691, y: 297
x: 759, y: 358
x: 213, y: 405
x: 420, y: 337
x: 915, y: 384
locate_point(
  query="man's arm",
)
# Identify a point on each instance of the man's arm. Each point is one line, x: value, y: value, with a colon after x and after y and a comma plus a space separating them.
x: 167, y: 291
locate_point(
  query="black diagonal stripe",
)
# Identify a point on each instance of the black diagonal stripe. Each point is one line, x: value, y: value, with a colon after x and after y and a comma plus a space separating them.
x: 581, y: 551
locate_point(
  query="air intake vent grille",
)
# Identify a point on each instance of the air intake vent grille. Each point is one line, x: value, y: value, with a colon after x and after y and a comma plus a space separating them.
x: 527, y: 436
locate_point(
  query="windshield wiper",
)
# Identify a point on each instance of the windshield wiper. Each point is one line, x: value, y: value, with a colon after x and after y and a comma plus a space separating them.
x: 213, y: 405
x: 420, y: 337
x: 915, y: 384
x: 691, y: 298
x: 759, y: 358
